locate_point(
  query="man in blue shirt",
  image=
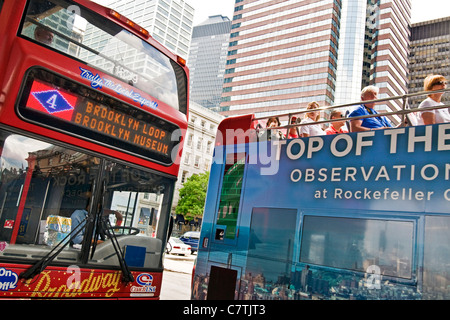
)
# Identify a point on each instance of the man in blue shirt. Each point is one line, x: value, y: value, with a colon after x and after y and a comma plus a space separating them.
x: 381, y: 122
x: 78, y: 221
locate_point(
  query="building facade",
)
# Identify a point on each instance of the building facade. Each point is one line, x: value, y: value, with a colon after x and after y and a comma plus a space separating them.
x: 430, y: 54
x: 373, y: 50
x: 199, y: 145
x: 207, y: 60
x: 169, y: 21
x: 285, y: 54
x: 354, y: 62
x: 282, y: 55
x: 389, y: 24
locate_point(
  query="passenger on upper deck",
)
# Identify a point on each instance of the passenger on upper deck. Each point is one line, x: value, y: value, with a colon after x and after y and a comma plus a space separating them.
x: 434, y: 82
x: 337, y: 126
x: 273, y: 122
x: 313, y: 116
x: 367, y: 124
x: 293, y: 133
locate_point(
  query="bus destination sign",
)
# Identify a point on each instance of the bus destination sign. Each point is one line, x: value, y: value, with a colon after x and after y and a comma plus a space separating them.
x: 104, y: 119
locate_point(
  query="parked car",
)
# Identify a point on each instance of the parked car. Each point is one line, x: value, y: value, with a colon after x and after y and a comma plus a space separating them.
x: 191, y: 238
x: 176, y: 246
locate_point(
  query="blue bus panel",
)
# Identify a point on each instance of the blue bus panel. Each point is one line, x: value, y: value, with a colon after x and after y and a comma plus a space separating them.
x: 351, y: 216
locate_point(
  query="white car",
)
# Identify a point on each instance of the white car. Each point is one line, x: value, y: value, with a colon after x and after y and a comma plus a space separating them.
x: 176, y: 246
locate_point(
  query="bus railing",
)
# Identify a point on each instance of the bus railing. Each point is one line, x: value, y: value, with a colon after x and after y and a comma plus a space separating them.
x: 403, y: 112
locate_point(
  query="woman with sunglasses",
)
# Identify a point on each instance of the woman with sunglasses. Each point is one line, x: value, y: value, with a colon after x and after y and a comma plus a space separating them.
x: 433, y: 83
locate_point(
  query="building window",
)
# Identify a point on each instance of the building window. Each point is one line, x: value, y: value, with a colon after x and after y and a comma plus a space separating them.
x: 199, y: 143
x: 187, y: 158
x: 184, y: 176
x: 208, y: 147
x: 197, y: 162
x: 206, y: 166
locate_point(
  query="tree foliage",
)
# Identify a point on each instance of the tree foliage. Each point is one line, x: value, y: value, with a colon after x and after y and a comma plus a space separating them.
x: 193, y: 196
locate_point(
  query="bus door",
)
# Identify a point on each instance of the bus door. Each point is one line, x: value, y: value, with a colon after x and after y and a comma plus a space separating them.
x: 223, y: 283
x: 226, y: 224
x: 218, y: 246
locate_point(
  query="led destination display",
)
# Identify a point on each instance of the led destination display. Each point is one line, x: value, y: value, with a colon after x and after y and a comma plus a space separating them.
x: 85, y: 112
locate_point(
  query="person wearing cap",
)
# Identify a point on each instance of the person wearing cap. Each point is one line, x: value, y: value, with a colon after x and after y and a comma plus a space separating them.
x: 433, y: 83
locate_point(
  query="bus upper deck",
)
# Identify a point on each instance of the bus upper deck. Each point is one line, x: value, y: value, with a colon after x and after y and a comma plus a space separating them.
x: 359, y: 215
x: 92, y: 118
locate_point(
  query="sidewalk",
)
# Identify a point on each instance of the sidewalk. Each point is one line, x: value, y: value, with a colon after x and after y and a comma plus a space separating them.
x: 181, y: 264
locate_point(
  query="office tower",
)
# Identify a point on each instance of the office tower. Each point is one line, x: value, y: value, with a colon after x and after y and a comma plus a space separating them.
x: 430, y: 49
x: 389, y: 24
x: 373, y: 50
x: 168, y: 21
x: 207, y: 59
x: 284, y: 54
x: 354, y: 61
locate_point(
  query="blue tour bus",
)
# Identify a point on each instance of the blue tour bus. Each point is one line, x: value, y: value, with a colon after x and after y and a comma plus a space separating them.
x: 362, y: 215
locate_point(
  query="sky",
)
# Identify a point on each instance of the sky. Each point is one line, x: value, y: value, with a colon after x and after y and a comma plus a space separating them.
x: 422, y: 10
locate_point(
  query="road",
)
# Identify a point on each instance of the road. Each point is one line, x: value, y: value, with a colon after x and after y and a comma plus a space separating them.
x: 176, y: 283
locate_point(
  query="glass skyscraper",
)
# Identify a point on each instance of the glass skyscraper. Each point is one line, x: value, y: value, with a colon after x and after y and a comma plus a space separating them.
x: 168, y: 21
x: 353, y: 63
x: 207, y: 60
x: 285, y: 54
x: 389, y: 23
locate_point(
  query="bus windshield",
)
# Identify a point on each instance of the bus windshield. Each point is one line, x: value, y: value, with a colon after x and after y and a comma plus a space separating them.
x: 104, y: 45
x: 47, y: 191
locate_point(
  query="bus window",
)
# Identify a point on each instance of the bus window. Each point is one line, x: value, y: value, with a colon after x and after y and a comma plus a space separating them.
x: 436, y: 278
x: 356, y: 244
x: 104, y: 45
x: 139, y: 197
x: 41, y: 186
x: 230, y: 194
x: 271, y: 243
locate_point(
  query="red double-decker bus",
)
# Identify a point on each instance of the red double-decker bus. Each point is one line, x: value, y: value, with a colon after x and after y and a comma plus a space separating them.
x: 92, y: 116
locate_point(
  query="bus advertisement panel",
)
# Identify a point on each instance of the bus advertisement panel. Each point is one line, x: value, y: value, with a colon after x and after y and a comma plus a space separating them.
x: 350, y: 216
x: 93, y: 113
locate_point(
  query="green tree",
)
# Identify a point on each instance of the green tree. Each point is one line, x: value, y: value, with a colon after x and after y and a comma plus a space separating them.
x: 193, y: 196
